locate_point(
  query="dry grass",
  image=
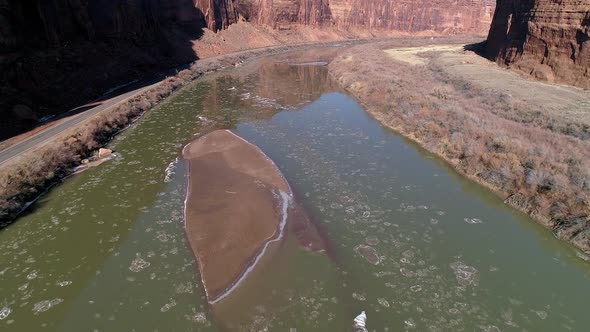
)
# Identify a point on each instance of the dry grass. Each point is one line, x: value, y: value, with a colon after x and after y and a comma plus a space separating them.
x: 535, y: 161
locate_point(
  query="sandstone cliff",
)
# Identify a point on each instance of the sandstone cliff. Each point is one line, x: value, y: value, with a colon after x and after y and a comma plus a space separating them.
x: 549, y: 39
x: 56, y: 54
x: 441, y: 16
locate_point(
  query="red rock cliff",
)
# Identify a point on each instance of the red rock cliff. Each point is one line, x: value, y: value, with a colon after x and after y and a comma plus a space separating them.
x: 441, y: 16
x: 549, y: 39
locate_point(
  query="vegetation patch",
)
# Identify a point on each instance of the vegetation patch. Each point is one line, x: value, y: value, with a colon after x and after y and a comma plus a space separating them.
x: 537, y: 162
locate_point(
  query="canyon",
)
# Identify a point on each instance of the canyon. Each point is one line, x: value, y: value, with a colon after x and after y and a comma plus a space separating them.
x: 55, y: 55
x: 545, y: 38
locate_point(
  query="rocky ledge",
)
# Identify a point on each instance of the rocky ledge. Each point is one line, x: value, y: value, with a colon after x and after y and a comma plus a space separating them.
x: 548, y: 39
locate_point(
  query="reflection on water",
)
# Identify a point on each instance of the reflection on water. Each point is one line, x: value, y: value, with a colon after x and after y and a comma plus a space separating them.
x: 414, y: 245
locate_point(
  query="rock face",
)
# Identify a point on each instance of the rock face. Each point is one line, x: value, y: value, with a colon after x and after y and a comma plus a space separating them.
x: 58, y: 54
x: 549, y: 39
x: 441, y: 16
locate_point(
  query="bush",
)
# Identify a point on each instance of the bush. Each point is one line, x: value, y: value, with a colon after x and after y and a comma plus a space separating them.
x: 537, y: 162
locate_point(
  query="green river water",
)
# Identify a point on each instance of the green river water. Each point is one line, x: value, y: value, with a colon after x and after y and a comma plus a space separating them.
x: 106, y: 251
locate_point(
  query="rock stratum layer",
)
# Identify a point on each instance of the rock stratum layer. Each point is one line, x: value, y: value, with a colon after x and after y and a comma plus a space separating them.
x: 58, y: 54
x: 238, y: 204
x: 549, y: 39
x: 441, y: 16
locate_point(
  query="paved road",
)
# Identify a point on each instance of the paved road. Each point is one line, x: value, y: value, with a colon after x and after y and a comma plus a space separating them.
x: 36, y: 141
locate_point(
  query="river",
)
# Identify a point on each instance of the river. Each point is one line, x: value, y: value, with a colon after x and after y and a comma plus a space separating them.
x: 106, y: 251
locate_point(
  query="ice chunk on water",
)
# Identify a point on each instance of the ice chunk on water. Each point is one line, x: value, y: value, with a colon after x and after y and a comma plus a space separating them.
x: 466, y: 275
x: 138, y: 264
x: 46, y: 305
x: 473, y: 221
x: 360, y: 322
x: 383, y: 302
x: 168, y: 306
x: 369, y: 253
x: 4, y: 312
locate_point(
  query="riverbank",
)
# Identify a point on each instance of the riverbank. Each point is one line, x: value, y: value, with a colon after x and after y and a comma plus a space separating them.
x: 497, y: 133
x: 25, y: 178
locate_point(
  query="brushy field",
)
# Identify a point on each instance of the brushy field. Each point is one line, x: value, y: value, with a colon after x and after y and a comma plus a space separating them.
x: 537, y: 162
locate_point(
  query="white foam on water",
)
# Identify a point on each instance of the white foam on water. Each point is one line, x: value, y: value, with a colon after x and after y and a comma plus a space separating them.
x: 170, y: 170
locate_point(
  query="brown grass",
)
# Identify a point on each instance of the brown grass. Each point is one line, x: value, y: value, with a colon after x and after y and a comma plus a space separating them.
x: 535, y: 161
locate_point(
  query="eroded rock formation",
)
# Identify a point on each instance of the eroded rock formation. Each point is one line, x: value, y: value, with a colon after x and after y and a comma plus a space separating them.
x: 549, y: 39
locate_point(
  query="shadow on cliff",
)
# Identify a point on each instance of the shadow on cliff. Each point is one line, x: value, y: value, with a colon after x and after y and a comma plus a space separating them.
x: 57, y: 55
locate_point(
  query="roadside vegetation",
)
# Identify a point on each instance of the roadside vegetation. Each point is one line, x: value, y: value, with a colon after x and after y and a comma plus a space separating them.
x: 536, y: 161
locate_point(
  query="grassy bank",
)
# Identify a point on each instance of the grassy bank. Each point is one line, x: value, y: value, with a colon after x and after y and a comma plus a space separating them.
x: 25, y: 178
x: 537, y: 162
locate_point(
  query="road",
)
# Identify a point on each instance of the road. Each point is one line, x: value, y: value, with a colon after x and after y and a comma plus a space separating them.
x: 41, y: 138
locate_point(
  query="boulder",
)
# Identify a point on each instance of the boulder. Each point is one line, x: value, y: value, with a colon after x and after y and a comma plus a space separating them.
x: 103, y: 153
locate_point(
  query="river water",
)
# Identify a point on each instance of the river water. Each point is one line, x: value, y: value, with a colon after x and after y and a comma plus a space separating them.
x: 105, y: 250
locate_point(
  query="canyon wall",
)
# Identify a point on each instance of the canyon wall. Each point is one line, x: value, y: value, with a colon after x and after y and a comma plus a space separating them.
x: 549, y: 39
x: 440, y: 16
x: 57, y: 54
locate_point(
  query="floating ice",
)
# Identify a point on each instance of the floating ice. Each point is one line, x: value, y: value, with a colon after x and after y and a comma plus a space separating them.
x: 410, y: 323
x: 473, y: 221
x: 138, y: 264
x: 4, y: 312
x: 490, y: 328
x: 416, y: 288
x: 369, y: 253
x: 542, y: 314
x: 168, y: 306
x: 466, y: 275
x: 46, y: 305
x: 383, y: 302
x: 64, y: 283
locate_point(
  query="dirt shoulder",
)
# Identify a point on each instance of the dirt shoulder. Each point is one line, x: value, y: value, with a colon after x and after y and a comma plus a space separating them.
x: 527, y: 141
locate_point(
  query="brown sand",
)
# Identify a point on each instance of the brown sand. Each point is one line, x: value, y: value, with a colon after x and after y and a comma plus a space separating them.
x: 233, y: 207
